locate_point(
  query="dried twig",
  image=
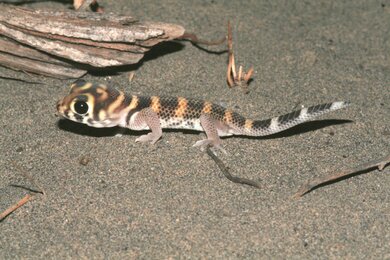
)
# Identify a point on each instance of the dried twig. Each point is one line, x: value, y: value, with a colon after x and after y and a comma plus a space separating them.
x: 131, y: 76
x: 15, y: 207
x: 27, y: 176
x: 241, y: 78
x: 227, y: 174
x: 195, y: 40
x: 310, y: 185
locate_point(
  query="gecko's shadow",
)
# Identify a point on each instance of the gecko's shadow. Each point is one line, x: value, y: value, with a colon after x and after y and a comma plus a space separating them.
x: 82, y: 129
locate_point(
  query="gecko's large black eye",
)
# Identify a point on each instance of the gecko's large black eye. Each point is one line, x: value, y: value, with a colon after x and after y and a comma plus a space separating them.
x: 81, y: 107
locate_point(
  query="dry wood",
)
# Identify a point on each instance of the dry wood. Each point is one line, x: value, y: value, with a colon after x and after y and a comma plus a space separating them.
x: 14, y: 48
x: 18, y: 57
x: 11, y: 209
x: 310, y: 185
x: 79, y: 53
x: 87, y: 25
x: 79, y: 38
x: 233, y: 78
x: 227, y: 174
x: 47, y: 69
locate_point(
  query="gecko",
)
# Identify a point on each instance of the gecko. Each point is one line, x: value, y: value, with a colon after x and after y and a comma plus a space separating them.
x: 98, y: 105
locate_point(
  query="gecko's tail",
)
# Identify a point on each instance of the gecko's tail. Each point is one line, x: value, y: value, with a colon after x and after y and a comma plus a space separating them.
x: 280, y: 123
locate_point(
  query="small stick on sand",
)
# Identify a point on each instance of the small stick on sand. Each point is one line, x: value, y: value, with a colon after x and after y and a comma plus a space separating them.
x: 310, y: 185
x: 227, y: 174
x: 15, y: 207
x: 27, y: 176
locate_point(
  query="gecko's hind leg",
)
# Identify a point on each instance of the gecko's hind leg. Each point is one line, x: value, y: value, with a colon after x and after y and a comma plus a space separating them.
x: 209, y: 125
x: 150, y: 118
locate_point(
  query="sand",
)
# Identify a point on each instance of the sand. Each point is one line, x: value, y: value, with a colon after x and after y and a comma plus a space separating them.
x: 109, y: 197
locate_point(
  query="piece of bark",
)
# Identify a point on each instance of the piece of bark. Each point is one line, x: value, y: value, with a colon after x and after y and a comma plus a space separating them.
x: 86, y: 25
x: 96, y: 57
x: 16, y: 49
x: 38, y: 67
x: 22, y: 58
x: 310, y: 185
x: 79, y: 38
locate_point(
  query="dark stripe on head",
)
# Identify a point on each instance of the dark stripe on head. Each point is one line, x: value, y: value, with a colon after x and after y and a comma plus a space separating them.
x: 82, y: 98
x: 90, y: 121
x: 262, y: 124
x: 103, y: 104
x: 143, y: 102
x: 125, y: 103
x: 77, y: 84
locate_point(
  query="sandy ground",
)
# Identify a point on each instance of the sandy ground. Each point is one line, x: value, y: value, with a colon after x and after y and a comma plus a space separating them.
x: 170, y: 200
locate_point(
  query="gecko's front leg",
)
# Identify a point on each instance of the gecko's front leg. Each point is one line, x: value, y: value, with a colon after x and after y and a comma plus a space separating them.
x: 149, y: 118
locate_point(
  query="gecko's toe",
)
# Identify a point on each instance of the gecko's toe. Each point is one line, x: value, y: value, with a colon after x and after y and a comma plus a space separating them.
x: 147, y: 138
x: 203, y: 144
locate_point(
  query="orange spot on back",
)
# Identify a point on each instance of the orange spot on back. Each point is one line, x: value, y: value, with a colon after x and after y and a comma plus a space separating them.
x: 207, y: 107
x: 248, y: 124
x: 155, y: 104
x: 228, y: 116
x: 181, y: 109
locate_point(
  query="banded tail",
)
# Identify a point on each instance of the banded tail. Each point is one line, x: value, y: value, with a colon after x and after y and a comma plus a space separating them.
x: 280, y: 123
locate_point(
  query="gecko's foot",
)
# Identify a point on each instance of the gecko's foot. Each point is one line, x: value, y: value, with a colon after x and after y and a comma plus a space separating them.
x: 203, y: 144
x: 148, y: 138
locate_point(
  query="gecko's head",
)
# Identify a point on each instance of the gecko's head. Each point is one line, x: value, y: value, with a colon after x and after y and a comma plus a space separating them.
x: 94, y: 105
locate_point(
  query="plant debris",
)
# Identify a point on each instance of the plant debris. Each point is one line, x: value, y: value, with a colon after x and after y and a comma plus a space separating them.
x: 241, y: 78
x: 31, y: 179
x: 84, y: 160
x: 226, y: 172
x: 195, y: 40
x: 65, y: 44
x: 310, y: 185
x: 11, y: 209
